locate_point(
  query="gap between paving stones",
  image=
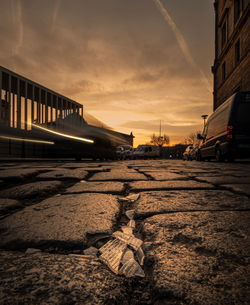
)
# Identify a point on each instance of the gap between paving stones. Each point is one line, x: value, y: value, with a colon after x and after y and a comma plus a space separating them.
x: 222, y: 187
x: 143, y: 216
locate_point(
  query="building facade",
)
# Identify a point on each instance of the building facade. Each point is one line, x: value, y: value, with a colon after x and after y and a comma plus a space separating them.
x: 36, y: 121
x: 231, y: 67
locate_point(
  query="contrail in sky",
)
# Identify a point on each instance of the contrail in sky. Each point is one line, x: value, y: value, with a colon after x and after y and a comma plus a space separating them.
x: 18, y: 19
x: 181, y: 41
x: 55, y: 13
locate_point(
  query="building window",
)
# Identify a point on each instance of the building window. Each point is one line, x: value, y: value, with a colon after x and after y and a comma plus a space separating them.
x: 223, y: 34
x: 223, y: 71
x: 237, y: 52
x: 238, y: 8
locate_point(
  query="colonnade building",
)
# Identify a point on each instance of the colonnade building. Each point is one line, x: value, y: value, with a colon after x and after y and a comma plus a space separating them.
x: 24, y: 103
x: 32, y: 117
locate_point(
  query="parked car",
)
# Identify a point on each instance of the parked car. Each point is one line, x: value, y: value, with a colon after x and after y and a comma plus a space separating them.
x: 227, y: 131
x: 128, y: 150
x: 146, y: 151
x: 186, y: 154
x: 193, y: 152
x: 120, y: 153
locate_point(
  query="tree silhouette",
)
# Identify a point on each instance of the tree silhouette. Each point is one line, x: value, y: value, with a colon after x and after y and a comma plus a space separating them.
x: 160, y: 140
x: 191, y: 138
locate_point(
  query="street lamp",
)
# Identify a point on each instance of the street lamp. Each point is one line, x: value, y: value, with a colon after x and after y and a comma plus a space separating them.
x: 204, y: 116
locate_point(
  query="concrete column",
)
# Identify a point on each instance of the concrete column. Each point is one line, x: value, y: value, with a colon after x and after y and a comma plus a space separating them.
x: 9, y: 100
x: 18, y: 105
x: 46, y: 108
x: 13, y: 106
x: 25, y: 107
x: 1, y: 103
x: 51, y: 107
x: 56, y: 110
x: 39, y: 106
x: 32, y: 103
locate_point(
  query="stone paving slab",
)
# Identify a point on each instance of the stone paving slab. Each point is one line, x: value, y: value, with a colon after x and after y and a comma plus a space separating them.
x: 7, y: 205
x: 96, y: 187
x: 169, y: 201
x: 117, y: 175
x: 33, y: 189
x: 200, y: 258
x: 242, y: 188
x: 66, y: 219
x: 57, y: 279
x: 225, y: 180
x: 165, y: 175
x: 17, y: 174
x: 81, y: 165
x: 62, y: 174
x: 171, y: 185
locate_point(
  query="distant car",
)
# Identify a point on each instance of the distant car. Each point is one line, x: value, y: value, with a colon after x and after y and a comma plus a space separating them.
x: 186, y: 154
x: 128, y: 151
x: 227, y: 131
x: 120, y: 153
x: 193, y: 152
x: 146, y: 152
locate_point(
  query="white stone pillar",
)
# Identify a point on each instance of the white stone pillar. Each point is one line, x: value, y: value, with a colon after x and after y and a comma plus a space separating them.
x: 1, y: 103
x: 18, y: 105
x: 25, y: 107
x: 9, y: 100
x: 51, y: 107
x: 46, y: 108
x: 39, y: 115
x: 32, y: 103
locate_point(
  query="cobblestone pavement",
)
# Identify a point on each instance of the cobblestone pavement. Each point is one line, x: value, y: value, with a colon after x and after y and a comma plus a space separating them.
x: 193, y: 218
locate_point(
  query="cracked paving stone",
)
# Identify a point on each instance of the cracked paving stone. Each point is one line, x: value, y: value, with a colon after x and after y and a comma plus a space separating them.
x: 7, y: 205
x: 177, y: 184
x: 242, y: 188
x: 33, y: 189
x: 200, y: 258
x: 43, y: 278
x: 17, y: 174
x: 64, y: 174
x: 62, y: 220
x: 163, y: 201
x: 165, y: 175
x: 98, y: 187
x: 118, y: 175
x: 226, y: 180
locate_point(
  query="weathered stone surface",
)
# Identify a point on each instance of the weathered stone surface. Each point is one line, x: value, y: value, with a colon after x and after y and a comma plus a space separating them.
x: 200, y: 258
x: 17, y: 174
x: 66, y: 219
x: 62, y: 174
x: 96, y: 187
x: 31, y: 189
x: 164, y: 201
x: 7, y: 205
x: 242, y: 188
x: 57, y: 279
x: 226, y: 180
x: 174, y: 185
x: 81, y: 165
x: 118, y: 175
x: 165, y: 175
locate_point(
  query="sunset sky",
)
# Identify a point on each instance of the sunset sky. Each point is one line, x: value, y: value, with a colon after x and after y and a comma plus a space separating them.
x: 131, y: 63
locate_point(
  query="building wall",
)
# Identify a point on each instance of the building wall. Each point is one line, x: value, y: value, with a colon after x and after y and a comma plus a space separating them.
x: 232, y: 44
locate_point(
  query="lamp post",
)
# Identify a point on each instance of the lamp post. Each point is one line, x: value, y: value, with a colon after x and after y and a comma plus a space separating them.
x: 204, y: 116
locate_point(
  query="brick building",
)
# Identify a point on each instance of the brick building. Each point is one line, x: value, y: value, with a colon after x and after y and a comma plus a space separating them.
x: 232, y: 43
